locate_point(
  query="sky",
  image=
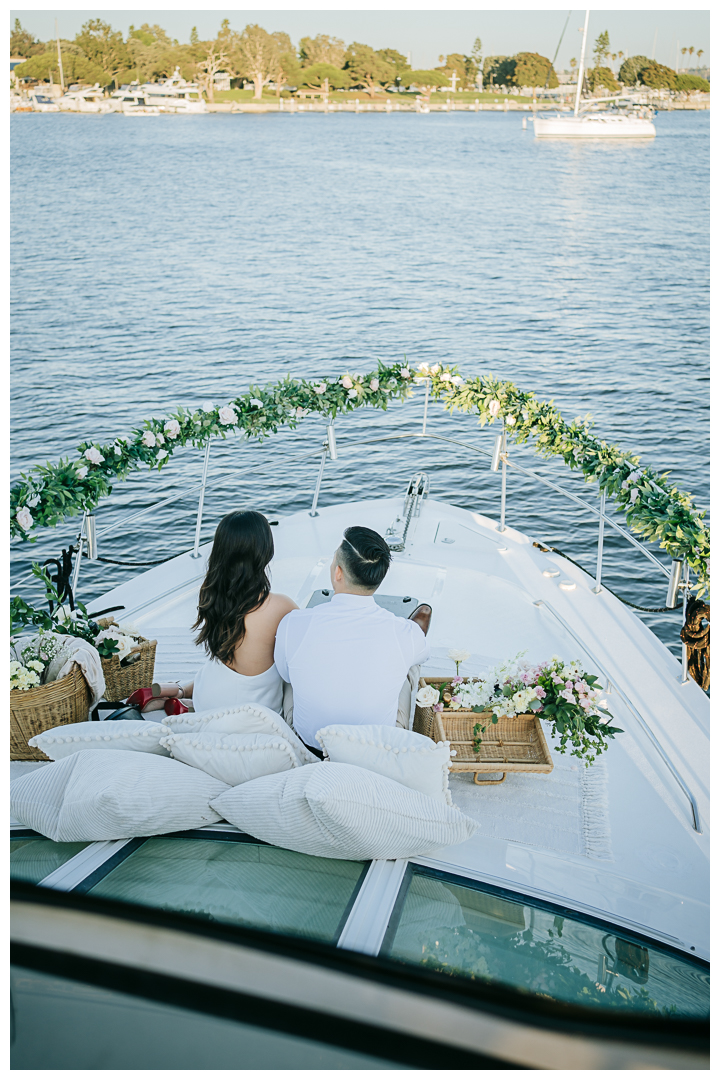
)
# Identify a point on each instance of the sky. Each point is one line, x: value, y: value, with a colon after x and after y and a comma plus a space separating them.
x: 423, y: 34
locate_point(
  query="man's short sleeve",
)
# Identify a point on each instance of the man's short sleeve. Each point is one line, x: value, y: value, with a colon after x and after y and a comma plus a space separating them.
x: 420, y: 650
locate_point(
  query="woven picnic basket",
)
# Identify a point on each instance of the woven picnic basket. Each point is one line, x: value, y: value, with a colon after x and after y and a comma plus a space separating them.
x: 122, y: 680
x: 514, y: 744
x: 65, y: 701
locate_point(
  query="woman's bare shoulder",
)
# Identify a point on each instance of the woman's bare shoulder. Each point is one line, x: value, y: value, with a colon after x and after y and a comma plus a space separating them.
x: 282, y: 603
x: 275, y: 608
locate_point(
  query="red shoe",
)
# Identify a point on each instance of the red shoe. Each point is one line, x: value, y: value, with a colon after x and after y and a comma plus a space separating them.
x: 174, y: 707
x: 141, y: 697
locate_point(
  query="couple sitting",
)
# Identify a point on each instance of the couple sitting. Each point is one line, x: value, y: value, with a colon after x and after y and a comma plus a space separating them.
x: 348, y: 661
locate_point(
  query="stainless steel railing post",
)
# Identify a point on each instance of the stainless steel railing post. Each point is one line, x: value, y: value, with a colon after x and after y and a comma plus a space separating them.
x: 427, y: 401
x: 318, y: 482
x: 503, y: 483
x: 76, y: 570
x: 201, y: 503
x: 685, y: 589
x: 601, y: 536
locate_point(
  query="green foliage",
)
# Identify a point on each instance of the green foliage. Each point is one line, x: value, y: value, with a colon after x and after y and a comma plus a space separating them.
x: 601, y: 52
x: 424, y: 80
x: 22, y: 42
x: 497, y: 70
x: 194, y: 36
x: 602, y: 77
x: 692, y: 82
x: 368, y: 68
x: 658, y: 77
x: 630, y: 69
x: 532, y: 69
x: 322, y: 49
x: 61, y: 621
x: 395, y: 59
x: 324, y: 77
x: 104, y: 47
x: 464, y: 67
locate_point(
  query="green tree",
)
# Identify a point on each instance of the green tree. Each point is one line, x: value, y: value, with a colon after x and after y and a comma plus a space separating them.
x: 601, y: 52
x: 325, y: 77
x: 256, y: 56
x: 367, y: 68
x: 214, y: 61
x: 76, y: 66
x: 395, y: 59
x: 497, y: 70
x: 692, y: 82
x: 464, y: 68
x: 426, y: 81
x: 602, y: 77
x: 322, y: 49
x: 630, y: 69
x: 194, y: 36
x: 532, y: 69
x: 658, y: 77
x: 104, y: 47
x: 286, y: 68
x: 22, y: 42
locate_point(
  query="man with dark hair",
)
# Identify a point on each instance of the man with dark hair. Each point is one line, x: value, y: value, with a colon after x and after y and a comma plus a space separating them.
x: 347, y: 661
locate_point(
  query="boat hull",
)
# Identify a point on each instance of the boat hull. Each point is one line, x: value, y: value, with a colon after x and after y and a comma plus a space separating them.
x: 593, y: 127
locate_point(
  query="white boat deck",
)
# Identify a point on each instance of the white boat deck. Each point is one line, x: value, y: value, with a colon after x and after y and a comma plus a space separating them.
x: 490, y: 596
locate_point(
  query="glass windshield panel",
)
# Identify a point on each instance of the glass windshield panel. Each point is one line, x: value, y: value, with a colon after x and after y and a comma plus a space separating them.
x: 242, y: 883
x: 32, y: 858
x: 476, y: 934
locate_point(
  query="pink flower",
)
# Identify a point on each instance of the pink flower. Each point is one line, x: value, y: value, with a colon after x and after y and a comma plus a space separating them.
x: 227, y: 415
x: 93, y: 455
x: 346, y: 382
x: 494, y: 408
x: 438, y: 707
x: 539, y: 693
x: 374, y: 384
x: 172, y: 429
x: 148, y: 438
x: 556, y: 678
x: 568, y: 695
x: 24, y: 518
x: 569, y: 685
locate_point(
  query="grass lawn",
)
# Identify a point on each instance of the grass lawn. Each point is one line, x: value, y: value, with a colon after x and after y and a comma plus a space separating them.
x: 440, y: 97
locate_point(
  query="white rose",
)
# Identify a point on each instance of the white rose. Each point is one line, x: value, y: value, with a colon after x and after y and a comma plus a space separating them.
x: 24, y: 518
x: 161, y: 454
x: 424, y: 369
x: 494, y: 408
x: 405, y: 372
x: 93, y: 455
x: 446, y: 377
x: 320, y: 388
x: 82, y: 472
x: 434, y: 369
x: 457, y: 380
x: 352, y: 393
x: 227, y: 415
x: 32, y: 503
x: 427, y: 695
x: 117, y: 450
x: 300, y: 412
x: 207, y: 406
x: 346, y: 381
x: 257, y: 403
x: 374, y: 384
x: 159, y: 439
x: 172, y: 429
x: 510, y: 421
x: 148, y: 438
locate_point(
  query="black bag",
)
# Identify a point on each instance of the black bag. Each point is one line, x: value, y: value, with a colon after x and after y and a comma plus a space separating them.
x: 121, y: 711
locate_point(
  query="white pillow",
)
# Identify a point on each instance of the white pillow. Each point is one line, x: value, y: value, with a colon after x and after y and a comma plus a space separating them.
x: 406, y: 756
x: 60, y: 742
x: 243, y: 720
x: 234, y: 759
x: 95, y: 795
x: 343, y: 812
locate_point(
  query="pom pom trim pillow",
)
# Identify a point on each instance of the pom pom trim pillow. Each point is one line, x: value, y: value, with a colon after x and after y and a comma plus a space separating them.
x: 341, y: 811
x: 234, y: 759
x: 405, y: 756
x: 95, y: 795
x: 242, y: 720
x: 60, y: 742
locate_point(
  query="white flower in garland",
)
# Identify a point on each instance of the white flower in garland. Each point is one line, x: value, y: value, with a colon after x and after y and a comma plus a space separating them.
x: 93, y: 455
x: 510, y: 421
x: 434, y: 369
x: 300, y: 412
x: 207, y: 406
x: 347, y: 382
x: 148, y: 438
x: 446, y: 377
x: 227, y: 415
x: 352, y: 393
x: 405, y: 373
x: 159, y: 438
x: 320, y: 388
x: 82, y: 472
x: 257, y: 403
x: 494, y: 408
x: 161, y: 455
x: 172, y: 429
x: 24, y: 518
x: 457, y: 380
x: 33, y: 501
x: 424, y: 369
x: 374, y: 384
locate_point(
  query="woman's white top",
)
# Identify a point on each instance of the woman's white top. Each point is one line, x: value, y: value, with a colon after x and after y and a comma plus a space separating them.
x: 219, y: 687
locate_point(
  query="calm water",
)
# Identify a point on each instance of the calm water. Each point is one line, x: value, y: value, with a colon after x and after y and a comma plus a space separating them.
x: 173, y: 260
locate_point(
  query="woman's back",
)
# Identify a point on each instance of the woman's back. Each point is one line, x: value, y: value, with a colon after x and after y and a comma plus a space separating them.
x: 254, y: 654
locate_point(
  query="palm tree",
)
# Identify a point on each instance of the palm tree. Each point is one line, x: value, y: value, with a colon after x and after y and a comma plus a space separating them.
x: 691, y: 50
x: 699, y: 54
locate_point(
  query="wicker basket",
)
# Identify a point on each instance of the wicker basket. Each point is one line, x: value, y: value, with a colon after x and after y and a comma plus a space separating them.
x: 122, y: 680
x: 65, y: 701
x: 515, y: 744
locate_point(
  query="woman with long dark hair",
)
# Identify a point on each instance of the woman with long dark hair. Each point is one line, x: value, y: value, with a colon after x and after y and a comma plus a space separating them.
x: 238, y: 616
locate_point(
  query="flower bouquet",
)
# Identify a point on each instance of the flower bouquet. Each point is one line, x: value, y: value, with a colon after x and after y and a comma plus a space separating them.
x: 37, y: 704
x: 128, y: 659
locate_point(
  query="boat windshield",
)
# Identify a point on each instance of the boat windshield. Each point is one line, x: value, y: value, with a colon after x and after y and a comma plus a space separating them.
x: 473, y: 931
x: 228, y: 877
x: 33, y: 858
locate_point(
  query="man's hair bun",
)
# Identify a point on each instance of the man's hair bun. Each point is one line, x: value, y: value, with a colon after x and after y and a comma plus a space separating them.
x: 365, y: 557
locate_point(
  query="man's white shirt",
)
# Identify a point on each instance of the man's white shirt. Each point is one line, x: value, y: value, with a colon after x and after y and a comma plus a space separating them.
x: 346, y: 661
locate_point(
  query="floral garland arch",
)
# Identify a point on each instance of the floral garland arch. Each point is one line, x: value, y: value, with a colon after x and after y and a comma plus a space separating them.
x: 653, y: 508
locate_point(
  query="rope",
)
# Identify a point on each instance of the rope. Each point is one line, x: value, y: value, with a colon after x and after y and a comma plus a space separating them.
x: 697, y: 639
x: 628, y: 603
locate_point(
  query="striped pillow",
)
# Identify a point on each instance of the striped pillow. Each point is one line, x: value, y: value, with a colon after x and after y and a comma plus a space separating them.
x: 60, y: 742
x: 242, y: 720
x: 101, y: 795
x: 341, y: 811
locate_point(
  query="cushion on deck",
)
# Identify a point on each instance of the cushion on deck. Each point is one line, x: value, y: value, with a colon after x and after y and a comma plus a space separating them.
x: 340, y: 811
x: 405, y: 756
x: 97, y: 795
x: 234, y: 759
x: 242, y: 720
x: 142, y: 735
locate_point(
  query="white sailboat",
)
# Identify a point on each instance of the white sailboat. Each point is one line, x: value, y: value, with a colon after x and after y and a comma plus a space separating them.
x: 571, y: 931
x: 88, y: 99
x: 629, y: 123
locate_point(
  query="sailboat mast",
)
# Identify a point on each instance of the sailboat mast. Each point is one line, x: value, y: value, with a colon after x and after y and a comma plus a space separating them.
x: 581, y: 69
x: 62, y: 77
